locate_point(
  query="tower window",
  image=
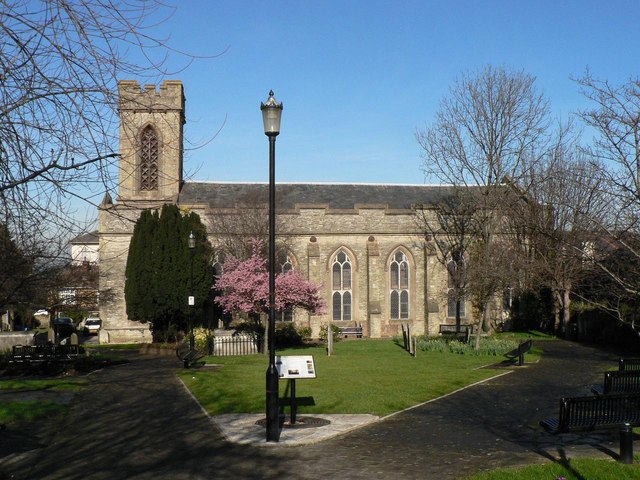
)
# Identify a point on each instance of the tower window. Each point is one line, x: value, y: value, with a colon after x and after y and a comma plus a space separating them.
x: 149, y: 159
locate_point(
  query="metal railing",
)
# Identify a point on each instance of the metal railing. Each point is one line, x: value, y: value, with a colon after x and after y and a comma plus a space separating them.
x: 224, y: 346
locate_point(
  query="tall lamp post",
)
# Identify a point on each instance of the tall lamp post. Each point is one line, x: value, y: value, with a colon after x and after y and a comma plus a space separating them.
x: 271, y: 115
x: 192, y: 248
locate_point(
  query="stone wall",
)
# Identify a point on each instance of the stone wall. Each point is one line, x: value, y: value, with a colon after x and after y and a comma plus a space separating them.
x: 9, y: 339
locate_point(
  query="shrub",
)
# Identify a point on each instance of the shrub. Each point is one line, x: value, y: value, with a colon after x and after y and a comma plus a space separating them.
x: 203, y: 338
x: 488, y: 346
x: 170, y: 334
x: 288, y: 336
x: 334, y: 328
x: 305, y: 334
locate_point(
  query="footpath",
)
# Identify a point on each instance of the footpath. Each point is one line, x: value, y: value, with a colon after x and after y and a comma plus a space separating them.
x: 137, y: 421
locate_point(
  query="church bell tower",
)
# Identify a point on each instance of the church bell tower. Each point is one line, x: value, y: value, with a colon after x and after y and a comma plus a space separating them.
x: 151, y: 130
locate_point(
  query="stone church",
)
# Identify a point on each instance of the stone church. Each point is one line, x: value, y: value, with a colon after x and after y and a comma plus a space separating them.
x: 361, y: 242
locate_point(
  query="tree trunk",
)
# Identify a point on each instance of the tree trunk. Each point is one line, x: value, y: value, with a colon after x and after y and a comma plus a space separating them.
x: 562, y: 310
x: 481, y: 324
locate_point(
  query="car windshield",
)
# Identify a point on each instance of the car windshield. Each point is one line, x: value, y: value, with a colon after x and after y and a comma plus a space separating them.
x: 63, y: 321
x: 92, y: 322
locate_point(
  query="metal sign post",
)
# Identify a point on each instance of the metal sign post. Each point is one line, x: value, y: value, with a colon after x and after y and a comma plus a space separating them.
x: 294, y: 367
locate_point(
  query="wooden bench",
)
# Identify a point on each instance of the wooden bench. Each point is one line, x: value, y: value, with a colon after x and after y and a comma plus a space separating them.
x: 355, y: 331
x: 44, y: 353
x: 620, y: 381
x: 190, y: 358
x: 519, y: 352
x: 579, y: 414
x: 625, y: 364
x: 457, y: 330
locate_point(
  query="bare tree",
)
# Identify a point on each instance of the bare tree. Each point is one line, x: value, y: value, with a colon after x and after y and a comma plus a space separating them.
x: 485, y: 129
x: 615, y: 119
x: 453, y: 225
x: 236, y: 228
x: 561, y: 200
x: 483, y: 135
x: 59, y: 63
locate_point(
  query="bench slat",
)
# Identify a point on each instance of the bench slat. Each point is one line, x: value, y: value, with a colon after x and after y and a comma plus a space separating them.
x: 589, y: 413
x: 620, y: 381
x: 625, y: 364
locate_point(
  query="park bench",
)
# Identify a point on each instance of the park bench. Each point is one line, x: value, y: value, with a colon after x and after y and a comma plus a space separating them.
x: 187, y: 355
x: 44, y: 353
x: 579, y: 414
x: 629, y: 364
x: 625, y: 381
x: 519, y: 352
x: 355, y: 331
x: 463, y: 331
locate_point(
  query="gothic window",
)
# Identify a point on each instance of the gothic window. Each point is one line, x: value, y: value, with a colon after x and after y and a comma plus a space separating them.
x: 341, y: 286
x: 399, y: 283
x: 286, y: 265
x: 149, y: 159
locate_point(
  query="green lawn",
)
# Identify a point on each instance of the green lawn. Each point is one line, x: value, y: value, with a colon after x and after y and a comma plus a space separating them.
x: 363, y: 376
x: 574, y: 469
x: 55, y: 384
x: 29, y: 411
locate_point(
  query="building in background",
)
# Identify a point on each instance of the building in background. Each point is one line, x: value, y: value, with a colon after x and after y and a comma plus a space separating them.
x: 362, y: 243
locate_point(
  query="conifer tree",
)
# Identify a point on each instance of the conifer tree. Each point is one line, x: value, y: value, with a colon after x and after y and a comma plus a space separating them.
x: 159, y: 266
x: 139, y: 270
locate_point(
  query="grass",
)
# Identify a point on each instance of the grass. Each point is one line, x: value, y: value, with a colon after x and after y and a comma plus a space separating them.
x: 364, y: 376
x: 525, y: 335
x: 54, y: 384
x: 574, y: 469
x: 29, y: 411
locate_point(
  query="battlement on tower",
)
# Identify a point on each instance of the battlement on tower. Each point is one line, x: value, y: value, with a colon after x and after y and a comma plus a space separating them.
x: 134, y: 98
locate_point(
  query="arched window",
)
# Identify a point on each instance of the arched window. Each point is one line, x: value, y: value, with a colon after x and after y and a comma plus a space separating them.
x: 149, y: 159
x: 399, y: 283
x: 341, y: 286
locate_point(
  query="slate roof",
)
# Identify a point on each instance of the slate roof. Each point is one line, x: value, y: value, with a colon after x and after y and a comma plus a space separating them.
x: 290, y: 196
x: 87, y: 238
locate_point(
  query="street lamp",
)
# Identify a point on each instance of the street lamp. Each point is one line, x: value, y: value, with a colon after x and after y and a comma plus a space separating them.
x: 192, y: 247
x: 271, y: 115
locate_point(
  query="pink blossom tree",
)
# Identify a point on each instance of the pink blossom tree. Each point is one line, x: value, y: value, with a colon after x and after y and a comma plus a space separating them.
x: 245, y: 287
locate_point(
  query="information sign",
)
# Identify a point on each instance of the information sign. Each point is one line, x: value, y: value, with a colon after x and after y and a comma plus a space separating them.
x: 295, y: 366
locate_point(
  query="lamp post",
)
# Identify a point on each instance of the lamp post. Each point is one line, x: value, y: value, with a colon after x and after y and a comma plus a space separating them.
x: 271, y: 115
x: 192, y: 247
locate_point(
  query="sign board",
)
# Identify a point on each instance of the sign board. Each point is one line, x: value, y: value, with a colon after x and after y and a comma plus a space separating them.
x: 192, y: 300
x: 295, y: 366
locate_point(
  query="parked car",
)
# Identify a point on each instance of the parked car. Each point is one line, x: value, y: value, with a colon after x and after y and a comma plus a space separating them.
x: 91, y: 326
x: 63, y: 327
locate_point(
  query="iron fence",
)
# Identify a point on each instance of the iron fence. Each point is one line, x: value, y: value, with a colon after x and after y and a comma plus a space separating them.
x: 238, y: 345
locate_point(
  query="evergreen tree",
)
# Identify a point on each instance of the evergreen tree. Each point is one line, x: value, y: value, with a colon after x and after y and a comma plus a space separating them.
x: 137, y: 287
x: 159, y: 278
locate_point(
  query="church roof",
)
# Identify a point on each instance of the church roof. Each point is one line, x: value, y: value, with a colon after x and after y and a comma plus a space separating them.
x: 290, y: 196
x: 86, y: 238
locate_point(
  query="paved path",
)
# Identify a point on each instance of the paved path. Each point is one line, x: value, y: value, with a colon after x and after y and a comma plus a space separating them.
x: 137, y: 422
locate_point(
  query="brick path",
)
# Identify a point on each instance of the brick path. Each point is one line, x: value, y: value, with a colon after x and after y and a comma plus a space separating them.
x: 137, y: 422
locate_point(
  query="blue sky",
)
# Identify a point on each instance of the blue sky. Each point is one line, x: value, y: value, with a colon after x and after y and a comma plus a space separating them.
x: 357, y: 78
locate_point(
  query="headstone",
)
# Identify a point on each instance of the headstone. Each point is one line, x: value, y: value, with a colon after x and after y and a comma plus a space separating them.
x: 74, y: 339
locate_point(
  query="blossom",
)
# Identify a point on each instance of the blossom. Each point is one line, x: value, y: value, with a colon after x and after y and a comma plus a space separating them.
x: 245, y: 287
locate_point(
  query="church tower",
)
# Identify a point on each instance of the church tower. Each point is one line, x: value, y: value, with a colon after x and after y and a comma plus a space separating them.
x: 151, y: 126
x: 151, y: 129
